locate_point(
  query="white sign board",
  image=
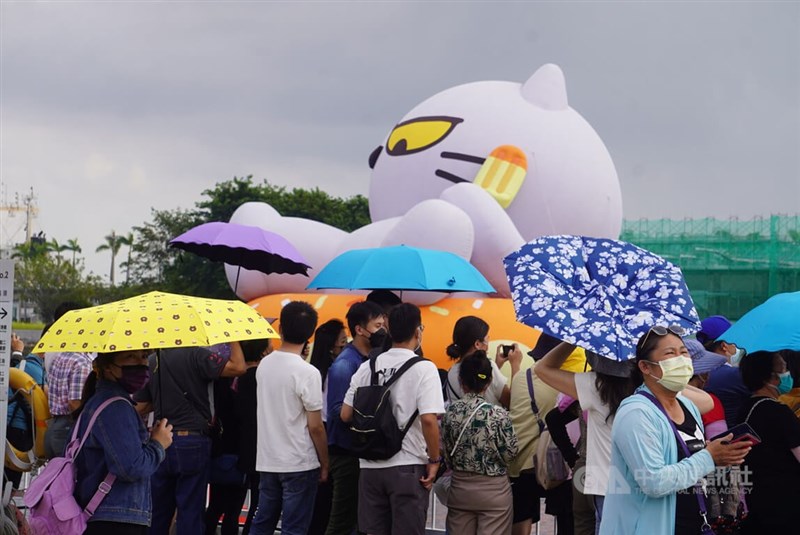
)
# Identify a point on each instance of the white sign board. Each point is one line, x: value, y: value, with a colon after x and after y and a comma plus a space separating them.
x: 6, y: 307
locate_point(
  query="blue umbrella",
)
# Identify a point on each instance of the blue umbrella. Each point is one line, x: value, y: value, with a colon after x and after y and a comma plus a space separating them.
x: 401, y: 268
x: 771, y: 326
x: 599, y: 294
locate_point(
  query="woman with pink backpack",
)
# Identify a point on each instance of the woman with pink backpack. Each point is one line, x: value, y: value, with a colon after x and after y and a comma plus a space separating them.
x: 118, y: 446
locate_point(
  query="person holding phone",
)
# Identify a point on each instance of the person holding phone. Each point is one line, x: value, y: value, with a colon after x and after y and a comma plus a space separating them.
x: 774, y: 463
x: 471, y: 334
x: 659, y: 454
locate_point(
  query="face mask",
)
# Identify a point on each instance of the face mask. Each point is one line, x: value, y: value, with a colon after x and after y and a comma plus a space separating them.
x: 378, y: 338
x: 134, y: 378
x: 675, y: 373
x: 419, y: 344
x: 786, y: 383
x: 736, y: 358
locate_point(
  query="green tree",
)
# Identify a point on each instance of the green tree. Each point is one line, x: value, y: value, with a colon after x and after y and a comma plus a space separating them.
x: 45, y: 281
x: 113, y: 244
x: 30, y: 250
x: 57, y: 248
x: 72, y: 245
x: 156, y: 266
x: 127, y: 240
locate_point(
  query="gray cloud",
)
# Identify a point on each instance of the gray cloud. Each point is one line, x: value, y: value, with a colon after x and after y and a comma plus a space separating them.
x: 109, y: 109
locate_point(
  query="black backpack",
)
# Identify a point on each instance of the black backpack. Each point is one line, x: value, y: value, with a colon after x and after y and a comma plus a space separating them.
x: 376, y: 435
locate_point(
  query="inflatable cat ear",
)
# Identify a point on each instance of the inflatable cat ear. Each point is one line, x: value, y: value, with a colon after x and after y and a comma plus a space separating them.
x: 546, y: 88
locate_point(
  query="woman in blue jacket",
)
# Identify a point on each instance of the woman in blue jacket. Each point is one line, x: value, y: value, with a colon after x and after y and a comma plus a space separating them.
x: 652, y: 486
x: 119, y: 444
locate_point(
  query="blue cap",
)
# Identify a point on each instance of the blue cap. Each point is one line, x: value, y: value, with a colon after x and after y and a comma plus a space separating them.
x: 712, y: 328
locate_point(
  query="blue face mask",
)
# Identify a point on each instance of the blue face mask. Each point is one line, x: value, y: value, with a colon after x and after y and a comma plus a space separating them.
x: 786, y: 383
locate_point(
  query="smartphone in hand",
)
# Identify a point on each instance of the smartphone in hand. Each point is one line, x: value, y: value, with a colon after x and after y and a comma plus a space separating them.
x: 742, y: 431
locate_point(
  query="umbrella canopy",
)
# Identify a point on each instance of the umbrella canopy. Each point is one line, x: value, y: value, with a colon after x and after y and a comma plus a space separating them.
x: 244, y: 246
x: 401, y: 268
x: 152, y: 321
x: 771, y: 326
x: 599, y: 294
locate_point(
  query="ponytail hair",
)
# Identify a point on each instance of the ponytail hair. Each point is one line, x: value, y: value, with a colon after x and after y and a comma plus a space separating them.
x: 466, y: 332
x: 475, y: 372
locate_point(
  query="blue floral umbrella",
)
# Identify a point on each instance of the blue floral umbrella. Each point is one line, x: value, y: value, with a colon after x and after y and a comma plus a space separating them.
x: 599, y: 294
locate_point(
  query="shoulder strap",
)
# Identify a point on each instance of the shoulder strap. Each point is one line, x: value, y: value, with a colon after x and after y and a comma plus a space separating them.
x: 96, y: 413
x: 756, y: 404
x: 453, y: 390
x: 22, y: 364
x: 410, y: 362
x: 373, y: 375
x: 534, y: 407
x: 406, y: 365
x: 698, y: 492
x: 466, y: 424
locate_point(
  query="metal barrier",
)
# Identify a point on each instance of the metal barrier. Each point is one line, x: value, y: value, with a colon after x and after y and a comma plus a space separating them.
x: 437, y: 513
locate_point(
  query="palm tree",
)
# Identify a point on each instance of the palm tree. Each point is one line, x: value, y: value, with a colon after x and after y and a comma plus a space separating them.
x: 127, y: 241
x: 72, y: 245
x: 113, y: 244
x: 56, y: 247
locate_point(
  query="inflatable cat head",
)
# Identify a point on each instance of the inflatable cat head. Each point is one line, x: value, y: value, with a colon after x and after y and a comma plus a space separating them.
x: 535, y: 155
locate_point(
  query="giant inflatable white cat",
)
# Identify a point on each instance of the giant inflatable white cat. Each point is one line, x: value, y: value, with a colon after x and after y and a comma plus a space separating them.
x: 477, y: 170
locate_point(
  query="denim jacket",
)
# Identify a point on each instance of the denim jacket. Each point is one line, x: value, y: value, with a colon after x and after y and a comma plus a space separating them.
x: 119, y: 443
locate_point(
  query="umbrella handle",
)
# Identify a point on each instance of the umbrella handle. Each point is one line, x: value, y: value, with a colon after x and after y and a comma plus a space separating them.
x: 160, y: 384
x: 236, y: 284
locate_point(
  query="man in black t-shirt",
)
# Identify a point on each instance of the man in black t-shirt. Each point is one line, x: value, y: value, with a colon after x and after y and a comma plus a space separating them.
x: 180, y: 390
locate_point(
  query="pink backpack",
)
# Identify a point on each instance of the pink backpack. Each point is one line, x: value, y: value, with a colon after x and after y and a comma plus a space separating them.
x: 50, y: 498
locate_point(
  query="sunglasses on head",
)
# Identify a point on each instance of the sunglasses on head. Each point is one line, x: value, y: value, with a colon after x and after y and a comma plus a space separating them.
x: 660, y: 330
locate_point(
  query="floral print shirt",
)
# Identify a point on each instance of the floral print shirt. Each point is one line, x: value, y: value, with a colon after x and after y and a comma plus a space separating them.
x: 488, y: 443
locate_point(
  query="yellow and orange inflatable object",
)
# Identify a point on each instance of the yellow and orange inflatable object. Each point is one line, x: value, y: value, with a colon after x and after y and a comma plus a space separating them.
x: 34, y: 395
x: 438, y: 319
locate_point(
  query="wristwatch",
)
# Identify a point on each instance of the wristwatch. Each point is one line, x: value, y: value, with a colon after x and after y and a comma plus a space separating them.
x: 437, y: 460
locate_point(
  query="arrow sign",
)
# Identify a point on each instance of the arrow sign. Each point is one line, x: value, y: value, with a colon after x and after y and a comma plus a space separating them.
x: 3, y: 313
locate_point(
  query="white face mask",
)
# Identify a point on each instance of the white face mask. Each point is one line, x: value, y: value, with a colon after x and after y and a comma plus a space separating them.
x: 736, y: 358
x: 675, y: 373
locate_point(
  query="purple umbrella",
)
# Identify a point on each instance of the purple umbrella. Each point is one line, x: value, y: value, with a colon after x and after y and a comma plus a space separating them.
x: 244, y: 246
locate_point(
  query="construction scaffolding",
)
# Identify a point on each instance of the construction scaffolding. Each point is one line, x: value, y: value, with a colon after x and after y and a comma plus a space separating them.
x: 730, y: 266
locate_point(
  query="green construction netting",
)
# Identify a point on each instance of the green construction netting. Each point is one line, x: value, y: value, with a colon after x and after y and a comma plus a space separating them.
x: 730, y: 265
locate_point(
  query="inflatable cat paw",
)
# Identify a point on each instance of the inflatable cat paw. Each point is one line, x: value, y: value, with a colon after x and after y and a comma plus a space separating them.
x: 476, y: 170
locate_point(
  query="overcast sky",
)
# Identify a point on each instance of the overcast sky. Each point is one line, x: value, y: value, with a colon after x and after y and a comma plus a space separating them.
x: 111, y: 108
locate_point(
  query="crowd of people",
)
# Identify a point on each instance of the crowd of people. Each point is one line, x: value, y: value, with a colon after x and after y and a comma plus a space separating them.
x: 632, y: 447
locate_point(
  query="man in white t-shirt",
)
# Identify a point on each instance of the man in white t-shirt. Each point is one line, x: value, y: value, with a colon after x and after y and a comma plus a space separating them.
x: 393, y: 493
x: 292, y: 448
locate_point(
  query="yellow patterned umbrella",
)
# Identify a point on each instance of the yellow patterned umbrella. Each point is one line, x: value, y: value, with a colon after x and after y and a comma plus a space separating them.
x: 155, y: 320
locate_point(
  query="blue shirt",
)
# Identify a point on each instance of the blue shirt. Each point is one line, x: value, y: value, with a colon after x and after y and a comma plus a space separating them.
x: 726, y: 383
x: 339, y: 375
x: 645, y: 473
x: 17, y: 416
x: 120, y: 444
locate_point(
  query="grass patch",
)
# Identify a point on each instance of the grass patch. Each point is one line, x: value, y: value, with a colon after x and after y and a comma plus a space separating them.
x: 22, y: 326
